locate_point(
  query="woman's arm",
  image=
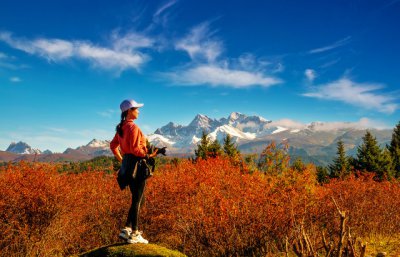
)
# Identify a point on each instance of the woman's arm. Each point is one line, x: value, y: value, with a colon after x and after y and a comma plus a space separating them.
x: 114, y: 146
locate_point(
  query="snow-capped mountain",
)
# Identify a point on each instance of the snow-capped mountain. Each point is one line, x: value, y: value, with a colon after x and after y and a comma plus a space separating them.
x: 241, y: 127
x: 315, y: 142
x: 22, y: 148
x: 93, y: 148
x: 253, y: 133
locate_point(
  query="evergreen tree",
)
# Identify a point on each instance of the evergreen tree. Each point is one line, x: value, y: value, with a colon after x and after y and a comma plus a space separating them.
x: 394, y: 149
x: 207, y: 149
x: 322, y: 175
x: 368, y: 154
x: 386, y: 162
x: 215, y: 149
x: 203, y: 147
x: 229, y: 146
x: 371, y: 158
x: 340, y: 166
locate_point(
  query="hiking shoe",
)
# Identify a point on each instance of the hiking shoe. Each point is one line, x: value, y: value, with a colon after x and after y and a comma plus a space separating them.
x: 136, y: 238
x: 125, y: 233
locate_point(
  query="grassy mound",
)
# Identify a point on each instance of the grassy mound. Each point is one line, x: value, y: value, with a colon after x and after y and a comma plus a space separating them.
x: 130, y: 250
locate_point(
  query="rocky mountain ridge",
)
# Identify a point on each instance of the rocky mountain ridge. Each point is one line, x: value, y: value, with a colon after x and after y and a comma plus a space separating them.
x: 314, y: 142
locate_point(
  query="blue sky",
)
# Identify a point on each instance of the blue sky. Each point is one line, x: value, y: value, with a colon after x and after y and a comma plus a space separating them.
x: 65, y: 66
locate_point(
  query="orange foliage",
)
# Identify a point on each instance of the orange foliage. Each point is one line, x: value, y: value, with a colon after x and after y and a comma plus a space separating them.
x: 207, y: 208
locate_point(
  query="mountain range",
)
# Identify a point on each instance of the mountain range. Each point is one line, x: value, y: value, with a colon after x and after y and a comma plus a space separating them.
x: 315, y: 142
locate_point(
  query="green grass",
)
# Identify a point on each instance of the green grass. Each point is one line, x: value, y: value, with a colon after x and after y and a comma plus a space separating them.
x: 130, y: 250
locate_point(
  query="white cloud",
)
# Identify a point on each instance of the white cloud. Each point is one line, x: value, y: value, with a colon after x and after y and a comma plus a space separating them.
x: 337, y: 44
x: 199, y: 45
x: 15, y: 79
x: 363, y: 123
x: 208, y: 67
x: 107, y: 113
x: 122, y: 55
x: 220, y: 76
x: 287, y: 123
x: 130, y: 41
x: 163, y: 8
x: 359, y: 94
x: 110, y: 59
x: 310, y: 74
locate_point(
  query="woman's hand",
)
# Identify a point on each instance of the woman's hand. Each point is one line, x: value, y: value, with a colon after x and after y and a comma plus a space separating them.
x: 153, y: 154
x: 118, y: 156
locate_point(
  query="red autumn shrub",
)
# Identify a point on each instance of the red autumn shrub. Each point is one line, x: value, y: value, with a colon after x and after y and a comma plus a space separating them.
x: 45, y: 213
x: 206, y: 208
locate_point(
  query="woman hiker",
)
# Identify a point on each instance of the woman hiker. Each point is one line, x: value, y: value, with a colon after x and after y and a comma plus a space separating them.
x: 129, y: 147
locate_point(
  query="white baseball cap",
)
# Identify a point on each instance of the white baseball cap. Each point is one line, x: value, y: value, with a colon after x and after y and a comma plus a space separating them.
x: 127, y: 104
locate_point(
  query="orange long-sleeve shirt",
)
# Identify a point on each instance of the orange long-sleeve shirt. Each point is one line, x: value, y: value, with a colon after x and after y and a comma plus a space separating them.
x: 133, y: 140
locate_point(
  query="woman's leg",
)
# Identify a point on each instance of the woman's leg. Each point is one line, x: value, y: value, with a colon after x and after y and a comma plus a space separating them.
x: 137, y: 189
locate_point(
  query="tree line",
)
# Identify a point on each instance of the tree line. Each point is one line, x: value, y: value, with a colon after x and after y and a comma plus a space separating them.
x: 383, y: 162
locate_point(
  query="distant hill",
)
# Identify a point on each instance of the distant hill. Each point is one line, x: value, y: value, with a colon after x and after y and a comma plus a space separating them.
x: 7, y: 156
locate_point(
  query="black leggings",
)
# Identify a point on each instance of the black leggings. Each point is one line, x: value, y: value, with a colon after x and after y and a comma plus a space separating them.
x: 137, y: 187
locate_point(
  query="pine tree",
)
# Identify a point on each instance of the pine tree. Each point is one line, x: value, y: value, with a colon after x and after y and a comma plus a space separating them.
x: 203, y: 148
x: 322, y: 175
x: 215, y: 149
x: 386, y: 170
x: 373, y: 159
x: 368, y: 154
x: 229, y: 146
x: 340, y: 166
x: 394, y: 149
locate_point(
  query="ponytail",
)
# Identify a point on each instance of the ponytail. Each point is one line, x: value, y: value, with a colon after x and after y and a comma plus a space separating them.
x: 119, y: 126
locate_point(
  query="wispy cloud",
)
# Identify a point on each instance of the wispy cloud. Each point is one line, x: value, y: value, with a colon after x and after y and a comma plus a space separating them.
x: 336, y: 44
x: 15, y: 79
x: 208, y: 67
x: 123, y: 53
x: 364, y: 95
x: 219, y: 76
x: 107, y: 113
x: 310, y: 74
x: 6, y: 61
x: 163, y: 8
x: 363, y: 123
x: 200, y: 45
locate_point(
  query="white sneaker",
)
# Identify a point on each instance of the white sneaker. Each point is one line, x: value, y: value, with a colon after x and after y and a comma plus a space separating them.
x: 136, y: 238
x: 125, y: 233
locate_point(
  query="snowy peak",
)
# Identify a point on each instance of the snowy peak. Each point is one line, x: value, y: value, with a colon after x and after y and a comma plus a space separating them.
x: 235, y: 116
x: 22, y: 148
x: 240, y: 126
x: 202, y: 121
x: 170, y: 129
x: 98, y: 143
